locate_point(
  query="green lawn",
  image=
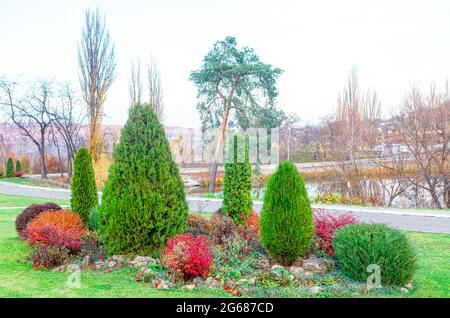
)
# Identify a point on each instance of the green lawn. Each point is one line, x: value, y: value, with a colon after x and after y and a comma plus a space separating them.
x: 36, y: 182
x: 18, y: 279
x: 20, y: 201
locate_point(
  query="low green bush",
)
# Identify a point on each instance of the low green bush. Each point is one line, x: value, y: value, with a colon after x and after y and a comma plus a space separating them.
x: 359, y: 245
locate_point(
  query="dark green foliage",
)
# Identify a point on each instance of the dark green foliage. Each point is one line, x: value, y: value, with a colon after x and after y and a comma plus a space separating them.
x: 31, y: 212
x: 237, y: 182
x: 18, y: 166
x: 358, y: 245
x: 286, y: 224
x: 84, y: 190
x: 9, y: 168
x: 143, y: 201
x: 93, y: 219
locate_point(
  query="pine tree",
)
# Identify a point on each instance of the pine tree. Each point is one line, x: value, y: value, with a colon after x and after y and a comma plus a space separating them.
x: 84, y: 190
x: 18, y: 166
x: 9, y: 168
x: 237, y: 183
x: 286, y: 224
x: 143, y: 201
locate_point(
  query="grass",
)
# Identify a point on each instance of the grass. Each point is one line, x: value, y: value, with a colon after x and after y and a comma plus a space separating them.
x: 21, y: 201
x: 18, y: 279
x: 35, y: 182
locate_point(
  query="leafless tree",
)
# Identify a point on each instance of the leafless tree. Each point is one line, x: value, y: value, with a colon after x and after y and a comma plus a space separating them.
x: 135, y: 84
x: 68, y: 119
x: 287, y: 130
x: 155, y: 91
x: 424, y: 124
x: 97, y: 72
x: 30, y: 113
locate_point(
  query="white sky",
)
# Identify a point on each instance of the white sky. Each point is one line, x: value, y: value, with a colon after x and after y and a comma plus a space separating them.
x: 393, y: 44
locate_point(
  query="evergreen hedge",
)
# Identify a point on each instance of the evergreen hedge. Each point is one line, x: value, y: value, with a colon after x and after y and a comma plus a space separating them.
x: 18, y: 166
x: 237, y: 182
x: 84, y: 190
x: 357, y: 246
x: 286, y: 223
x: 9, y: 168
x: 143, y: 201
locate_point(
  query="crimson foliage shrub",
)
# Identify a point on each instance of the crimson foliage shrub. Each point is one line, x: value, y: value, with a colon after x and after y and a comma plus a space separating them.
x: 326, y: 224
x: 30, y: 213
x: 188, y: 256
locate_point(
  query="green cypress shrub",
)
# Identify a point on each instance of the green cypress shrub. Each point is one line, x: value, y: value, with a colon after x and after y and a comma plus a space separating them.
x: 143, y: 201
x: 286, y: 224
x: 9, y: 168
x: 237, y: 182
x: 18, y: 166
x: 84, y: 190
x: 357, y: 246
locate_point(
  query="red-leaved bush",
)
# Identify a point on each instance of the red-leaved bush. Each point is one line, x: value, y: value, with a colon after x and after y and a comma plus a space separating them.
x: 56, y: 228
x: 250, y: 230
x: 188, y: 256
x: 326, y: 224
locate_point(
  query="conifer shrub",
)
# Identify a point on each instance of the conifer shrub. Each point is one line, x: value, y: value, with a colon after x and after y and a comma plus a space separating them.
x: 237, y: 182
x: 31, y: 212
x: 286, y: 225
x: 84, y: 192
x: 18, y: 166
x: 143, y: 201
x: 357, y: 246
x: 9, y: 168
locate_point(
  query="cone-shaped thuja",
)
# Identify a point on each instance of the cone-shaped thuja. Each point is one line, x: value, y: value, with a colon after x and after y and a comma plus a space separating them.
x: 84, y: 191
x: 143, y: 201
x: 286, y: 224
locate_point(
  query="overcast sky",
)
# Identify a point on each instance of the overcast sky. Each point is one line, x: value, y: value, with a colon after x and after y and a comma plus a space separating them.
x: 393, y: 44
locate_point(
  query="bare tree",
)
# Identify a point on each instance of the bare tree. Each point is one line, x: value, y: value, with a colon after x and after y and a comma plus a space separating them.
x: 30, y: 113
x: 68, y: 119
x: 97, y: 72
x: 424, y: 125
x: 135, y: 84
x: 155, y: 92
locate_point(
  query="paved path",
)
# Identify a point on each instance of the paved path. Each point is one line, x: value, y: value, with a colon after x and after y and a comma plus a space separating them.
x: 407, y: 219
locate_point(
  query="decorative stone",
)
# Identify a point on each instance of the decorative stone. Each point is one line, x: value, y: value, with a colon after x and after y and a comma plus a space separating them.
x: 140, y: 261
x: 73, y: 267
x: 409, y: 285
x: 198, y: 281
x: 315, y: 265
x: 315, y: 290
x: 277, y: 270
x: 188, y: 287
x: 59, y: 269
x: 119, y: 259
x: 262, y: 264
x: 404, y: 290
x: 211, y: 282
x: 252, y: 281
x: 300, y: 274
x: 230, y: 283
x: 159, y: 283
x: 99, y: 265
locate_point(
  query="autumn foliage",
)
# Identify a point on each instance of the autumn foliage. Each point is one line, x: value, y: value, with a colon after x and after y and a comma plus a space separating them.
x: 56, y: 228
x: 188, y: 256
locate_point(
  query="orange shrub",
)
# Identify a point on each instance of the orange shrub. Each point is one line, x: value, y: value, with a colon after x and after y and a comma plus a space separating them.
x: 59, y: 228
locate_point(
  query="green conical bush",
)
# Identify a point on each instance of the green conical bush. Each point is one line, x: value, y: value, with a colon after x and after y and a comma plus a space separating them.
x: 237, y: 182
x: 9, y: 168
x: 143, y: 201
x: 84, y: 190
x: 18, y: 166
x: 286, y: 224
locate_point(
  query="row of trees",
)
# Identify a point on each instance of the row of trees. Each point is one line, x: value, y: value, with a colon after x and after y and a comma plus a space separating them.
x: 53, y: 112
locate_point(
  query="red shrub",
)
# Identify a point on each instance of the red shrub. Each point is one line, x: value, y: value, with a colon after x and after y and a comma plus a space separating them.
x: 251, y: 227
x: 31, y: 213
x: 188, y: 256
x: 49, y: 256
x: 18, y: 174
x: 326, y: 224
x: 56, y: 228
